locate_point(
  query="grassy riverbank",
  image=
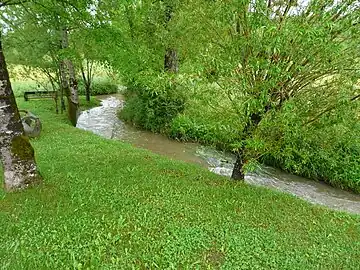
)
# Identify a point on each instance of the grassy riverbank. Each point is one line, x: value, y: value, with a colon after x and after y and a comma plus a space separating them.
x: 106, y: 205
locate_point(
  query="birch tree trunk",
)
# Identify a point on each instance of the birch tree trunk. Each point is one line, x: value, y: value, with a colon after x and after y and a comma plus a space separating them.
x: 17, y: 154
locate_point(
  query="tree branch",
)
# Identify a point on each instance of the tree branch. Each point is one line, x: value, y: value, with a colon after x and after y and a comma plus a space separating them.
x: 287, y: 8
x: 12, y: 2
x: 329, y: 110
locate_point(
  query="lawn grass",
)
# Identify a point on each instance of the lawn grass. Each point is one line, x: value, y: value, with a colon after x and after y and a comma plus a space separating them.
x: 106, y: 205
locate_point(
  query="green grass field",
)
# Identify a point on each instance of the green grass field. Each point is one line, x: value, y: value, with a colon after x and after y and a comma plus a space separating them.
x: 107, y: 205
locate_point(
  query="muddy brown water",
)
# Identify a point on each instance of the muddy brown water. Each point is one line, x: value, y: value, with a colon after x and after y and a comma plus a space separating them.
x: 104, y: 122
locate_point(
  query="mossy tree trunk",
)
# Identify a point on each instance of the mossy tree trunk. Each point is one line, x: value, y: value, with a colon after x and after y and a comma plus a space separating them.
x: 69, y: 83
x: 17, y: 154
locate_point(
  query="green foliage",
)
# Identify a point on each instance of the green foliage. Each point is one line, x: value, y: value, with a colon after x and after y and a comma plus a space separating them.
x: 100, y: 86
x: 327, y: 149
x: 191, y: 128
x: 107, y: 205
x: 262, y: 57
x: 207, y: 117
x: 155, y: 103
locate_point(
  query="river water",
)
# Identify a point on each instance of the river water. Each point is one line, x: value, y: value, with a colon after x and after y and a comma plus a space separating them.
x: 104, y: 122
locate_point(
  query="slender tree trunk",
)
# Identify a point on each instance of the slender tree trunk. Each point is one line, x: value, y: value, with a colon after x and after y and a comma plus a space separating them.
x: 64, y: 86
x: 171, y: 62
x: 56, y: 98
x: 73, y: 98
x: 87, y: 92
x: 237, y: 173
x: 69, y: 82
x: 62, y: 101
x: 87, y: 81
x: 17, y: 154
x: 61, y: 89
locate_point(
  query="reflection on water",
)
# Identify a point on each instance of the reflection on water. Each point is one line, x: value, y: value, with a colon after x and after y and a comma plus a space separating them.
x: 104, y: 122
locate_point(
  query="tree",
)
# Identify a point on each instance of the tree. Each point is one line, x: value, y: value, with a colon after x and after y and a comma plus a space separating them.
x: 50, y: 45
x: 87, y: 52
x: 17, y: 154
x: 87, y: 73
x: 68, y: 81
x: 303, y: 50
x: 36, y: 49
x: 264, y: 54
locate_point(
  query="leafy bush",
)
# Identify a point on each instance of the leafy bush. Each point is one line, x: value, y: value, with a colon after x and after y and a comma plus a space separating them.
x: 188, y: 128
x: 154, y: 104
x: 327, y: 149
x: 100, y: 86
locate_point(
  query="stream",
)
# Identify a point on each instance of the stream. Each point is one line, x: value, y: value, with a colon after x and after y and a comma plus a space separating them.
x: 103, y: 121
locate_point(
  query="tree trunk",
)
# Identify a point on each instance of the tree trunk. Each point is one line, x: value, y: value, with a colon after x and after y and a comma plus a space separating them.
x: 56, y: 98
x: 62, y: 102
x: 61, y: 89
x: 17, y: 154
x: 171, y: 62
x: 87, y: 92
x: 87, y: 81
x: 73, y: 98
x: 56, y: 103
x: 68, y: 82
x: 237, y: 173
x: 64, y: 86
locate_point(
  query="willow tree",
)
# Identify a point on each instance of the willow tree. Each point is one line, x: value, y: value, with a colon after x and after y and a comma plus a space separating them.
x: 17, y: 154
x: 265, y: 53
